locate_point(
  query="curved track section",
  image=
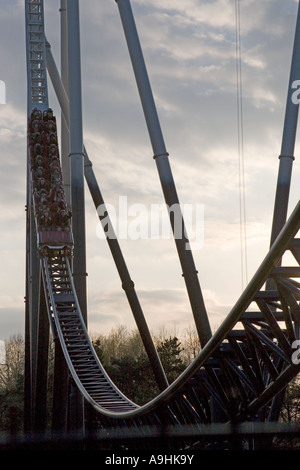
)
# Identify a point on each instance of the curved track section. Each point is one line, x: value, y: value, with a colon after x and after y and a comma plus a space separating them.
x: 64, y: 311
x: 250, y: 359
x: 241, y: 369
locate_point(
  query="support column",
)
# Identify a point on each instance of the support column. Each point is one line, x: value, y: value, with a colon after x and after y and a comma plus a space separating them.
x: 77, y: 181
x: 161, y: 157
x: 60, y: 392
x: 40, y: 417
x: 34, y: 295
x: 61, y: 371
x: 65, y: 80
x: 27, y: 365
x: 288, y: 140
x: 76, y: 154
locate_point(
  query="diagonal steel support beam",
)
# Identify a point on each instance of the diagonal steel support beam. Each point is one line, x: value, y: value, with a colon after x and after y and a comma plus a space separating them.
x: 288, y: 139
x: 161, y: 157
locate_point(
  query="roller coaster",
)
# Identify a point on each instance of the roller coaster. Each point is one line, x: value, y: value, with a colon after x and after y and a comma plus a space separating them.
x: 243, y: 369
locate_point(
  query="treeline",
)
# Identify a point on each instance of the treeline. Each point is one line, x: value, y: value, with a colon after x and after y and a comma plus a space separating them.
x: 12, y: 384
x: 122, y: 353
x: 123, y: 356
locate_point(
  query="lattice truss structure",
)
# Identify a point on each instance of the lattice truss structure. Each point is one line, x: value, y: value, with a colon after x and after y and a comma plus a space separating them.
x: 36, y: 50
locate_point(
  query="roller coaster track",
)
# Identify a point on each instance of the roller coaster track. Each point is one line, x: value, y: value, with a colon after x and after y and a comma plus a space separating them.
x: 246, y: 363
x: 239, y: 372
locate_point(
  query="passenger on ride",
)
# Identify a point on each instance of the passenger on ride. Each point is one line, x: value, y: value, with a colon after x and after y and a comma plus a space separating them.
x: 51, y: 138
x: 39, y: 195
x: 55, y: 177
x: 63, y: 220
x: 37, y: 138
x: 53, y: 150
x: 37, y: 149
x: 36, y: 195
x: 54, y: 163
x: 40, y: 172
x: 42, y: 184
x: 36, y: 114
x: 38, y: 162
x: 36, y: 126
x: 48, y: 115
x: 50, y: 126
x: 45, y: 221
x: 43, y: 205
x: 57, y: 196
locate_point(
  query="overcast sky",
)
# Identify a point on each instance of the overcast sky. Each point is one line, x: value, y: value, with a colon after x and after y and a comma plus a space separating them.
x: 190, y: 52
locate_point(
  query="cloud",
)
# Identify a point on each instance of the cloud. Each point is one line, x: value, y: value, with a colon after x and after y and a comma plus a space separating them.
x: 12, y: 323
x: 12, y: 317
x: 167, y: 308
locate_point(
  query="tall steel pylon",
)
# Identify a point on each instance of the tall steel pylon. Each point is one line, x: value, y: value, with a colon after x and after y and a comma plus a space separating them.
x: 286, y: 156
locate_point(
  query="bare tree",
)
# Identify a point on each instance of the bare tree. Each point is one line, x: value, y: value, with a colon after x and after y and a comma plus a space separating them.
x: 190, y: 344
x: 11, y: 383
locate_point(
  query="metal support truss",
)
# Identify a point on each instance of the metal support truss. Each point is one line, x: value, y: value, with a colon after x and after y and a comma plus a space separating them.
x: 37, y: 98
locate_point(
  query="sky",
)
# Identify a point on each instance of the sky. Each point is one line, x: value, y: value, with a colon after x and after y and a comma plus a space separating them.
x: 190, y: 52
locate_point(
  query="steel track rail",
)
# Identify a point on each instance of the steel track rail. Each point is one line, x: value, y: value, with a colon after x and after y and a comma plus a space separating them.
x: 83, y: 363
x: 187, y: 399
